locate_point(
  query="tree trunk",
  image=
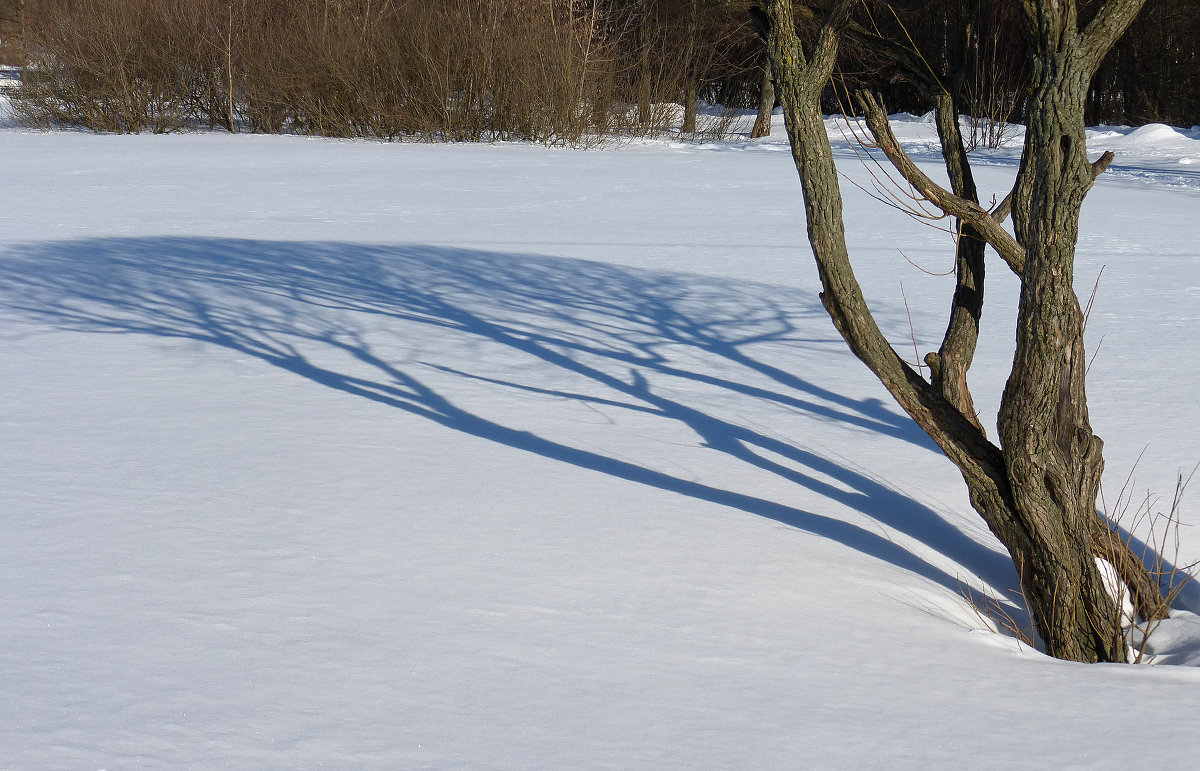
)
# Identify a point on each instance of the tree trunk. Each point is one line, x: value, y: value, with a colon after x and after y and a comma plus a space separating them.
x: 1037, y: 491
x: 691, y: 85
x: 766, y: 105
x: 690, y: 97
x: 230, y: 109
x: 1052, y: 456
x: 643, y: 82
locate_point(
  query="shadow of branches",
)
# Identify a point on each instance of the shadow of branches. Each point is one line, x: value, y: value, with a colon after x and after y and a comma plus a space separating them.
x: 373, y: 322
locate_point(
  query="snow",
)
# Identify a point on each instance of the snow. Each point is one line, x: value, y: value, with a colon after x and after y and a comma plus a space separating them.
x: 353, y: 454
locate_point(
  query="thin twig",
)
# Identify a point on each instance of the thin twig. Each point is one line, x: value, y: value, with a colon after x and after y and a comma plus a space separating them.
x: 913, y: 332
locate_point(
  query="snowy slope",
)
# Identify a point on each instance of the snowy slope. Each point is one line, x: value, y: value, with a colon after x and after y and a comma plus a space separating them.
x: 350, y: 454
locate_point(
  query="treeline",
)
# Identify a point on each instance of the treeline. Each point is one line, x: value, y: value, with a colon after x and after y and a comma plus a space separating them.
x: 553, y: 71
x: 1151, y: 76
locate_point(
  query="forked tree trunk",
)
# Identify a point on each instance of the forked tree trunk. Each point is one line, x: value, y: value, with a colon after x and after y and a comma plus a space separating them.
x: 1037, y: 490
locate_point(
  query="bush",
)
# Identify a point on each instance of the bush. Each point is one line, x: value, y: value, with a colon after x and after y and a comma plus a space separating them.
x: 552, y: 71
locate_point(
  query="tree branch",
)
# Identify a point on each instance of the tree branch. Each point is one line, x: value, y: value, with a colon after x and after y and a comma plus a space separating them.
x: 949, y: 366
x: 800, y: 87
x: 1099, y: 166
x: 1105, y: 28
x: 911, y: 65
x: 989, y: 229
x: 824, y: 53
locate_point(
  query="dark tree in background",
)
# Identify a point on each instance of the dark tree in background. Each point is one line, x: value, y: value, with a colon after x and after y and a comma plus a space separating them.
x: 1153, y: 73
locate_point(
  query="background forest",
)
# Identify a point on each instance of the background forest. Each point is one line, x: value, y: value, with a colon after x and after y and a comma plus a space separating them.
x: 553, y: 71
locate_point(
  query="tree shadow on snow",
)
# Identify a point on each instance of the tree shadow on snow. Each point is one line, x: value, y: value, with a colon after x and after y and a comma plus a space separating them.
x: 621, y: 332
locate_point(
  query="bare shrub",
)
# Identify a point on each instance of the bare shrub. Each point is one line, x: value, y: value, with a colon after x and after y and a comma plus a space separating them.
x: 550, y: 71
x: 1160, y: 549
x: 1012, y: 619
x: 994, y: 87
x: 119, y: 76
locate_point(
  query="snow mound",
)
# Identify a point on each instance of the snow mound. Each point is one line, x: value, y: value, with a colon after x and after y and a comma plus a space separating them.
x: 1175, y: 641
x: 1153, y: 153
x: 1153, y: 134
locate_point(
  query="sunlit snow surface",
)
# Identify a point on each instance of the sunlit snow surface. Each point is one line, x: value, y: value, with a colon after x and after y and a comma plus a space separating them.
x: 362, y: 455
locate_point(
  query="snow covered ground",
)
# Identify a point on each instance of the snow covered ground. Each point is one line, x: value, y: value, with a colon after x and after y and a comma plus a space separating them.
x: 360, y: 455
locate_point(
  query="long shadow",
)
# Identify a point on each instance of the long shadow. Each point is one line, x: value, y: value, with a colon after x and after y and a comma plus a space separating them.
x: 295, y: 305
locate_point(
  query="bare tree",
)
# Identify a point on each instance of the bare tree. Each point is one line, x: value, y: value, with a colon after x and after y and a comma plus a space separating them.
x: 1037, y: 488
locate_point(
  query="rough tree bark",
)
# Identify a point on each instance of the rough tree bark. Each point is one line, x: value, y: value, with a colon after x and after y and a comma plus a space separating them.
x: 1037, y: 490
